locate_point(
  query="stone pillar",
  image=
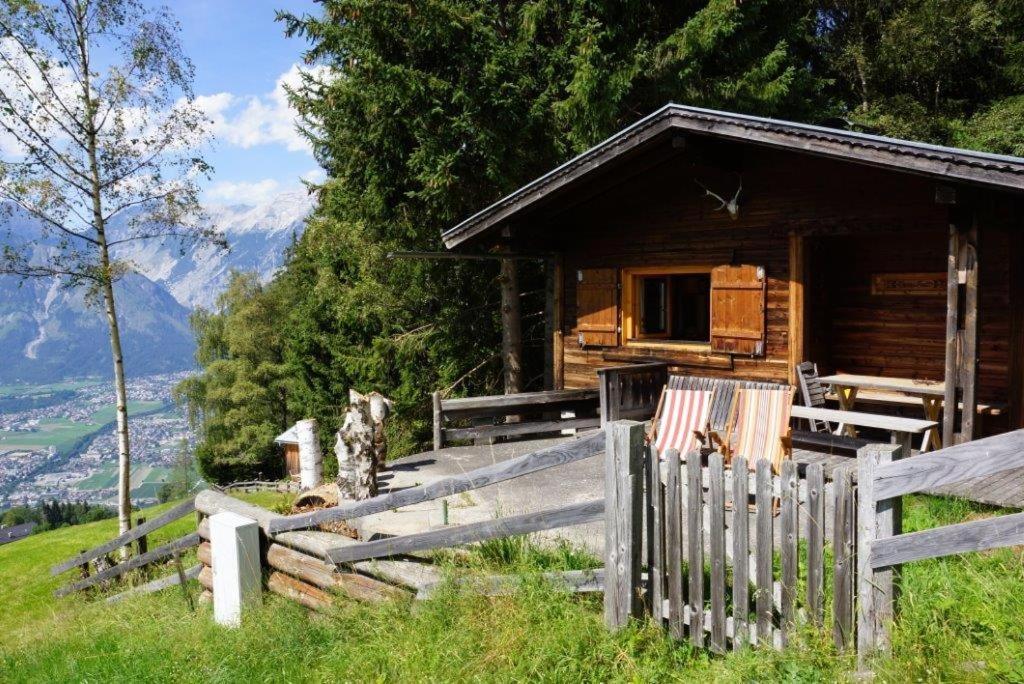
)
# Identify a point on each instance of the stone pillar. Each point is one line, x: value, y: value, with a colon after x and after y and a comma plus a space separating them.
x: 237, y: 575
x: 311, y: 458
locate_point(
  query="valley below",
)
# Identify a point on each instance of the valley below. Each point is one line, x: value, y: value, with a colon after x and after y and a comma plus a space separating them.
x: 58, y: 441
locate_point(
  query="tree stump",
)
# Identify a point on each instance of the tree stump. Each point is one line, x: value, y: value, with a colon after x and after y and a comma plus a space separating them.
x: 361, y: 445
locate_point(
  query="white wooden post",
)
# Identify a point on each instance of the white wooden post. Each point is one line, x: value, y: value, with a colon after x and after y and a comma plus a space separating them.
x: 311, y: 458
x: 876, y: 588
x: 623, y: 521
x: 237, y: 575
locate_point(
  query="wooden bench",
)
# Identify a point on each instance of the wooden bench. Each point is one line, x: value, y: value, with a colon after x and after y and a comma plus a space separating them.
x: 535, y: 413
x: 902, y: 429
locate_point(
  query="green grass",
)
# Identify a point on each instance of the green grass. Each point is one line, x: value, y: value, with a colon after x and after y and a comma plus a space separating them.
x: 63, y: 433
x: 37, y: 390
x: 962, y: 620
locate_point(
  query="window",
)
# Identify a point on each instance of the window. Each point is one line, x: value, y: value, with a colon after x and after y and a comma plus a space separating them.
x: 672, y: 305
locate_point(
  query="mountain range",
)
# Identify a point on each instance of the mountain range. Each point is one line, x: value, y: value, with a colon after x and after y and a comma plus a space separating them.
x: 50, y: 332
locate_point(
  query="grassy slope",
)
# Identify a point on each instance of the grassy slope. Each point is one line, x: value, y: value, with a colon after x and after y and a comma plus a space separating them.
x: 963, y: 619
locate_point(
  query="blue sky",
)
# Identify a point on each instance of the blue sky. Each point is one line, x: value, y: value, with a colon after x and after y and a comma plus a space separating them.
x: 241, y: 56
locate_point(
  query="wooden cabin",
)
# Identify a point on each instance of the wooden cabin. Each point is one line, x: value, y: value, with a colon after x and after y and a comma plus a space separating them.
x: 737, y: 246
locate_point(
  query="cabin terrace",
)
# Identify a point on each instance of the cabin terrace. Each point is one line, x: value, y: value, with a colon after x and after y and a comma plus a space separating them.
x: 739, y: 247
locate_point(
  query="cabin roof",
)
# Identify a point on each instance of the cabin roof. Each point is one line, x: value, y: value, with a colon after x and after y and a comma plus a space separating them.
x: 954, y: 164
x: 289, y: 436
x: 13, y: 533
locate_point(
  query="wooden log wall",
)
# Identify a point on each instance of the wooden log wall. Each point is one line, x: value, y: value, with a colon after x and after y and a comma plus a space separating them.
x: 891, y: 221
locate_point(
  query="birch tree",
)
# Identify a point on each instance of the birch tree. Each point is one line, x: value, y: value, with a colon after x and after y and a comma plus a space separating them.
x: 98, y: 122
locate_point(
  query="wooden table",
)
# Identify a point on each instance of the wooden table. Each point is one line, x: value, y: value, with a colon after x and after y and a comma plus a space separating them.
x: 902, y: 429
x: 930, y: 392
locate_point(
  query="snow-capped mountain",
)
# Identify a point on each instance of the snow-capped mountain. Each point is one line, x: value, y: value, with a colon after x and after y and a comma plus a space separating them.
x: 258, y: 237
x: 50, y: 332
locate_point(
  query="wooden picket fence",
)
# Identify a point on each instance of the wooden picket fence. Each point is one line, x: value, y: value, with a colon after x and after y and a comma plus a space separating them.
x: 715, y: 535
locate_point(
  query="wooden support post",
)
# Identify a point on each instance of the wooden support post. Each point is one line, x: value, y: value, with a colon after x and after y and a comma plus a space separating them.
x: 438, y: 417
x: 795, y: 341
x: 558, y: 314
x: 876, y: 588
x: 553, y: 359
x: 623, y: 491
x: 952, y: 337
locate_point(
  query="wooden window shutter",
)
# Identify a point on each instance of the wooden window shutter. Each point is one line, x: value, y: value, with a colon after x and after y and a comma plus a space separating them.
x: 738, y: 309
x: 597, y: 307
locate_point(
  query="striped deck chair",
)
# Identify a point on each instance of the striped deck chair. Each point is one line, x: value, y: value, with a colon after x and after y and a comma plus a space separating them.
x: 759, y: 426
x: 681, y: 419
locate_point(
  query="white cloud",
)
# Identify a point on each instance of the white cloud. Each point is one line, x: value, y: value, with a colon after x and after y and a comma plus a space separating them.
x: 316, y: 175
x: 229, y: 192
x: 250, y: 120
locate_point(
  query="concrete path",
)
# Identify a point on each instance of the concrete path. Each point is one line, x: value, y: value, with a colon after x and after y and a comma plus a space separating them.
x: 574, y: 483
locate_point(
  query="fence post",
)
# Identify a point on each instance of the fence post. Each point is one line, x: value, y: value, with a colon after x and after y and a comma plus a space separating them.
x: 623, y: 496
x: 876, y: 589
x: 438, y: 417
x: 237, y: 573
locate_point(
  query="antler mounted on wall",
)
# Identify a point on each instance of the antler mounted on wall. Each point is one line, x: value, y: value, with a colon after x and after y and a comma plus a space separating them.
x: 733, y: 205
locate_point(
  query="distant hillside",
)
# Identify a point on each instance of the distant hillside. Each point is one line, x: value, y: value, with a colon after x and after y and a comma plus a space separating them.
x: 49, y: 333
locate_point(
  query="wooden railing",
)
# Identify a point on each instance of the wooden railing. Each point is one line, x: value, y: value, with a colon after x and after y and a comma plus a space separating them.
x: 882, y: 547
x: 513, y: 415
x: 631, y: 392
x: 144, y: 558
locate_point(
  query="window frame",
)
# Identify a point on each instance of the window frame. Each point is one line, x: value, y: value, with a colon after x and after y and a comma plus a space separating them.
x: 632, y: 291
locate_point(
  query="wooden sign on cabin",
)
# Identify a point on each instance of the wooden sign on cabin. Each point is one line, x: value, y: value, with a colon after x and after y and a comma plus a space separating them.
x: 909, y: 284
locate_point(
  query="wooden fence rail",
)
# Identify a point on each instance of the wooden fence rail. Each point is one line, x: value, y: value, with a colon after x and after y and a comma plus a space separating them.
x: 536, y: 461
x: 882, y: 547
x: 179, y: 511
x: 159, y: 553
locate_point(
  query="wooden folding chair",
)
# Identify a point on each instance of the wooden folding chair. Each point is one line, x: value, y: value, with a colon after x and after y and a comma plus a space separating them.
x: 681, y: 419
x: 758, y: 427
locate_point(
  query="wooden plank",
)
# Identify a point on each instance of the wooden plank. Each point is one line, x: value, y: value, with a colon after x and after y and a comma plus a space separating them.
x: 789, y: 547
x: 976, y: 535
x: 186, y: 542
x: 560, y: 454
x: 843, y: 552
x: 869, y: 420
x: 674, y: 544
x: 740, y: 553
x: 795, y: 340
x: 558, y: 311
x: 575, y: 514
x: 521, y: 428
x: 909, y: 386
x: 178, y: 511
x: 950, y: 465
x: 815, y: 542
x: 655, y: 536
x: 876, y: 519
x: 716, y: 520
x: 763, y: 574
x: 695, y: 546
x: 171, y: 580
x: 321, y: 574
x: 623, y: 491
